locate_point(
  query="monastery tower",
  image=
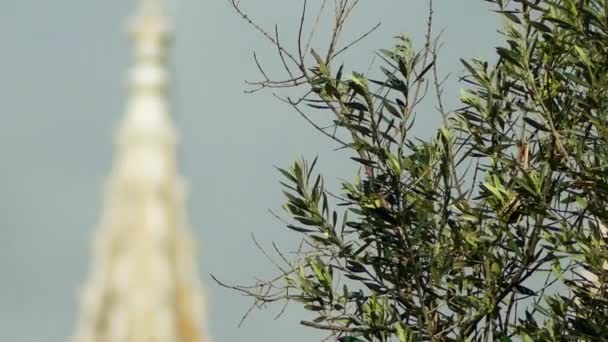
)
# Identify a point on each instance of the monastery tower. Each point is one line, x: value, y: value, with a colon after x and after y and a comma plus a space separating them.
x: 143, y: 285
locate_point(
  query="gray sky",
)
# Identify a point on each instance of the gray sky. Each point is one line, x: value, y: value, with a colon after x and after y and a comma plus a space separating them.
x: 62, y: 76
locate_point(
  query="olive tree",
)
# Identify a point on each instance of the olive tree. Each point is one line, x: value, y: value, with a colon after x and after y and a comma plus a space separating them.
x: 493, y: 229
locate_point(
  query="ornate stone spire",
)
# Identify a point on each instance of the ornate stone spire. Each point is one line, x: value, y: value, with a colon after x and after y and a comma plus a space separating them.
x: 143, y: 286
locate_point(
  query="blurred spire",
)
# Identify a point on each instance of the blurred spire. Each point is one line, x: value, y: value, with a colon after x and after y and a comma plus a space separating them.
x: 151, y: 7
x: 144, y: 286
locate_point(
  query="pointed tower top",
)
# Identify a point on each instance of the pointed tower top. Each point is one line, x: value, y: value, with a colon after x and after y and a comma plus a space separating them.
x: 148, y: 80
x: 144, y: 286
x: 151, y: 20
x: 153, y: 7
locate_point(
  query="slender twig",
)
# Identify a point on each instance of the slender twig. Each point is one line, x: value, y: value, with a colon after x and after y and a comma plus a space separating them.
x: 356, y: 40
x: 332, y: 327
x: 237, y: 8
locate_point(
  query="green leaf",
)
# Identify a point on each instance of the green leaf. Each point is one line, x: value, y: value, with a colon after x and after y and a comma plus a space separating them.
x: 339, y: 73
x: 359, y: 84
x: 536, y: 124
x: 322, y: 66
x: 512, y: 17
x: 394, y: 164
x: 350, y: 339
x: 391, y: 109
x: 470, y: 99
x: 424, y: 71
x: 494, y: 191
x: 526, y: 338
x: 583, y: 55
x: 311, y: 307
x: 299, y: 229
x: 356, y: 106
x: 509, y: 56
x: 287, y: 175
x: 540, y: 26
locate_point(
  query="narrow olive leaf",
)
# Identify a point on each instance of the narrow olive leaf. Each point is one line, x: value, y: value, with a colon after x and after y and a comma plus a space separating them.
x: 391, y: 109
x: 322, y: 66
x: 339, y: 73
x: 583, y: 55
x: 363, y: 130
x: 396, y: 86
x: 357, y: 106
x: 287, y: 175
x: 509, y: 55
x: 374, y: 286
x: 350, y: 339
x: 468, y: 115
x: 312, y: 166
x: 540, y: 26
x: 288, y: 186
x: 403, y: 68
x: 307, y: 221
x: 536, y: 124
x: 469, y: 98
x: 424, y: 71
x: 297, y: 172
x: 389, y: 73
x: 511, y: 16
x: 303, y: 300
x: 320, y: 319
x: 316, y: 106
x: 300, y: 229
x: 524, y: 290
x: 561, y: 23
x: 311, y: 307
x: 531, y: 4
x: 401, y: 104
x: 355, y: 266
x: 574, y: 78
x: 388, y: 53
x: 355, y: 277
x: 364, y: 161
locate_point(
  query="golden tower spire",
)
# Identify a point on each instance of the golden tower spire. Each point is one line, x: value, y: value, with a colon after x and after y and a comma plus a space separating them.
x: 143, y: 286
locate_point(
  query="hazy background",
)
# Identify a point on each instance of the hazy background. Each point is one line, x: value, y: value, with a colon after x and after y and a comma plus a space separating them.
x: 62, y: 76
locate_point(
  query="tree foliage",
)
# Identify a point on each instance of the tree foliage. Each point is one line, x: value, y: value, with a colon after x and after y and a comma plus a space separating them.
x: 493, y: 230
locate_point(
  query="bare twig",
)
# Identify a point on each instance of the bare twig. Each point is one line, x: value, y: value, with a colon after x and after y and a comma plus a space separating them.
x: 356, y: 41
x: 332, y: 327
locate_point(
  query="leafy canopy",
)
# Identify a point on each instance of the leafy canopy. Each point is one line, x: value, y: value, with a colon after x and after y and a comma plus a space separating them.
x: 494, y: 229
